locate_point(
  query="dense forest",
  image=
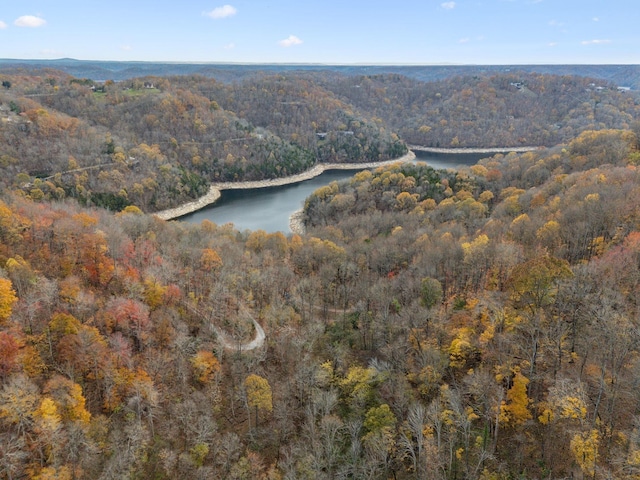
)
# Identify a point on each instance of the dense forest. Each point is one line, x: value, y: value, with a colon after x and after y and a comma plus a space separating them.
x: 156, y: 143
x: 473, y: 324
x: 509, y: 109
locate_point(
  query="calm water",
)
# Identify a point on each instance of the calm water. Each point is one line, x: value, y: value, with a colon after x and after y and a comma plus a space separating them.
x: 269, y: 209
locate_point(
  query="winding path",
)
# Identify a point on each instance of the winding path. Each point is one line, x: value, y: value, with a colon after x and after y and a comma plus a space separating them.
x: 226, y: 342
x: 229, y: 344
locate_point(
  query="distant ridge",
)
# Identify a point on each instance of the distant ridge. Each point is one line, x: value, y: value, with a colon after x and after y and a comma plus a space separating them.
x: 621, y: 75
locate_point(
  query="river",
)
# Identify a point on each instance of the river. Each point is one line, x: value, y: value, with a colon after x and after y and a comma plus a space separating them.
x: 269, y: 209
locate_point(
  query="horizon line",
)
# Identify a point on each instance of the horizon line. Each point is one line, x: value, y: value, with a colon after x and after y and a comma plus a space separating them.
x: 328, y: 64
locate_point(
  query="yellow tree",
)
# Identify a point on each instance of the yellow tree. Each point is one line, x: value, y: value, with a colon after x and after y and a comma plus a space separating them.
x: 68, y: 399
x: 534, y: 286
x: 7, y: 299
x: 565, y: 415
x: 47, y: 426
x: 257, y: 240
x: 379, y: 423
x: 358, y: 385
x: 584, y: 446
x: 153, y: 292
x: 258, y: 394
x: 515, y: 411
x: 476, y: 258
x: 47, y: 417
x: 205, y: 366
x: 51, y: 473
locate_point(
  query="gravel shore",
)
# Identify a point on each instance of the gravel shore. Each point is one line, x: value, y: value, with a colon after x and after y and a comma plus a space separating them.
x: 296, y: 225
x: 474, y: 150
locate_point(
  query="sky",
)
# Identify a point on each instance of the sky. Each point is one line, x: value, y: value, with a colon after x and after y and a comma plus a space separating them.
x: 423, y: 32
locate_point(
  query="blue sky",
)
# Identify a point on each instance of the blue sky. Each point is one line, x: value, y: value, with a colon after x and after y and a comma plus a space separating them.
x: 329, y: 31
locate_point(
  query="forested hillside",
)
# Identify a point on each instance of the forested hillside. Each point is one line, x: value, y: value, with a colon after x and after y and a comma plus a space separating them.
x: 472, y: 324
x: 513, y: 109
x: 158, y: 142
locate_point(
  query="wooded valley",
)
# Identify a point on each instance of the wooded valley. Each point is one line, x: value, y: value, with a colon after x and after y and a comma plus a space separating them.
x: 157, y: 142
x: 473, y: 324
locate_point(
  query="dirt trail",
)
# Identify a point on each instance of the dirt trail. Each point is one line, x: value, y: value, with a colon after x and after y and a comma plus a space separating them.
x: 229, y: 344
x: 224, y: 339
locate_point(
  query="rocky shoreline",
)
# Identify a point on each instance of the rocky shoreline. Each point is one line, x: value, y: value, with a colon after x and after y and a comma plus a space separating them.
x: 210, y: 197
x: 296, y: 223
x: 214, y: 190
x: 473, y: 150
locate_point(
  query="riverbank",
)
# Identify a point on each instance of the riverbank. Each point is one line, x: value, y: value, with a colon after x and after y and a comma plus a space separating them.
x: 215, y: 189
x: 209, y: 198
x: 473, y: 150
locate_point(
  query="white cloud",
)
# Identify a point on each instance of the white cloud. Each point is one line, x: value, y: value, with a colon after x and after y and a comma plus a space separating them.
x: 448, y: 5
x: 29, y: 21
x: 221, y: 12
x: 597, y: 41
x: 595, y: 19
x: 552, y: 44
x: 479, y: 38
x: 229, y: 46
x: 555, y: 23
x: 290, y: 41
x: 2, y: 25
x: 126, y: 48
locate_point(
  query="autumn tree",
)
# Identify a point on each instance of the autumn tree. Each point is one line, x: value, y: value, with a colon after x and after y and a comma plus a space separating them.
x: 10, y: 346
x: 7, y: 299
x: 515, y: 411
x: 18, y: 401
x: 258, y: 393
x: 205, y: 366
x: 534, y: 287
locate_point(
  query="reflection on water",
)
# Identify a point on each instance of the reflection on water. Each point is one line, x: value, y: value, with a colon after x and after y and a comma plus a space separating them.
x: 269, y: 208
